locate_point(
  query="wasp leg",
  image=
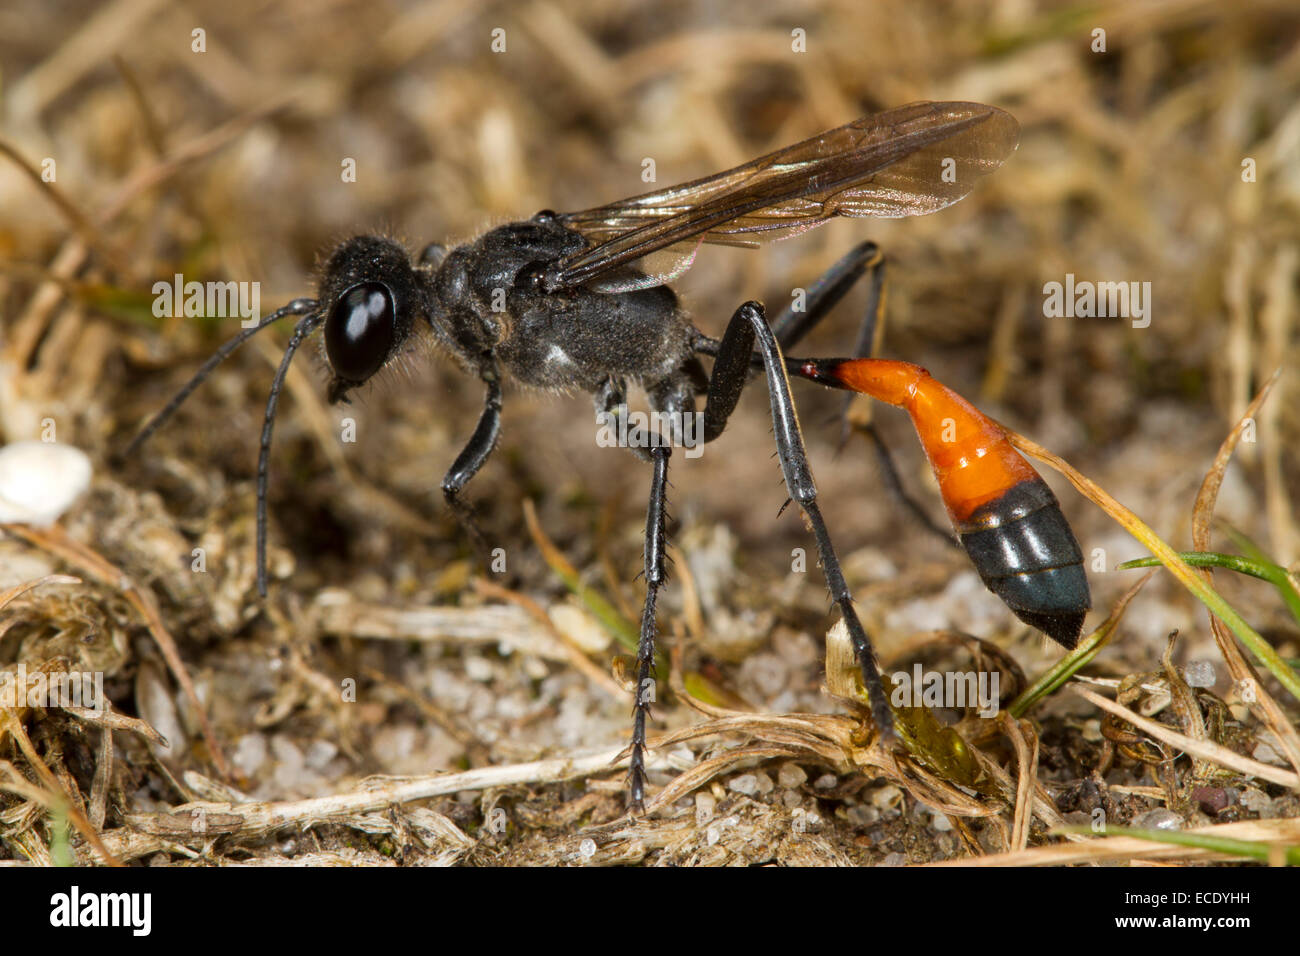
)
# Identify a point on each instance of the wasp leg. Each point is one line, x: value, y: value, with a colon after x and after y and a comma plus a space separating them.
x: 656, y: 543
x: 863, y: 259
x: 790, y: 326
x: 730, y: 372
x: 470, y: 460
x: 611, y: 412
x: 822, y: 296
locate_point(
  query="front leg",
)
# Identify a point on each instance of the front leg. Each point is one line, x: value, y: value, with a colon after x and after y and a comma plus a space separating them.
x: 471, y: 459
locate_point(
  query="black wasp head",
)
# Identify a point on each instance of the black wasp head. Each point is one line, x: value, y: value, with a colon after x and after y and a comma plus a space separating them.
x: 370, y: 295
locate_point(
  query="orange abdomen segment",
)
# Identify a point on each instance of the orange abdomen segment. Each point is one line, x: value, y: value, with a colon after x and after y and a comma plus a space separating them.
x: 973, y: 461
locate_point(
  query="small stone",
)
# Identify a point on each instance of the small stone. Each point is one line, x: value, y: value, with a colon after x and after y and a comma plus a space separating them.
x: 893, y: 859
x: 705, y: 806
x: 764, y: 783
x: 796, y: 648
x: 511, y: 708
x: 1200, y: 674
x: 587, y: 848
x: 990, y: 841
x: 827, y: 781
x: 1265, y: 753
x: 1211, y: 799
x: 791, y: 776
x: 394, y: 745
x: 861, y: 815
x: 1092, y: 730
x: 767, y: 672
x: 289, y: 762
x: 320, y: 753
x: 478, y: 669
x: 579, y: 626
x: 886, y: 797
x: 40, y: 480
x: 746, y: 783
x: 941, y: 822
x: 249, y: 754
x: 157, y: 706
x: 1257, y: 801
x: 1161, y: 819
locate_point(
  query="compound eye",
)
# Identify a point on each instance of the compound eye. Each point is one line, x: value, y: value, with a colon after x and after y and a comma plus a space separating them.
x: 359, y: 331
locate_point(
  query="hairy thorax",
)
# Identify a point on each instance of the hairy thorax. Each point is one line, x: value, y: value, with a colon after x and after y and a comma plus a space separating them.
x: 567, y: 340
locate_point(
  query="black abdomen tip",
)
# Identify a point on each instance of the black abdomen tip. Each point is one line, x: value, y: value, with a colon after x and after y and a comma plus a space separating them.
x: 1026, y: 554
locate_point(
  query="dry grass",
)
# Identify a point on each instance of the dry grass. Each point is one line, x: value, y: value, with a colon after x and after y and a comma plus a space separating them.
x: 383, y: 705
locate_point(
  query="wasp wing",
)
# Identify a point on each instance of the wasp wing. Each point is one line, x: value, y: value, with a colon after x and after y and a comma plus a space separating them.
x: 908, y: 161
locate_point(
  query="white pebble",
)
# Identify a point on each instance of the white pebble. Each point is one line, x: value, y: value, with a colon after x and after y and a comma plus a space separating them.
x: 320, y: 753
x: 250, y: 753
x: 579, y: 626
x: 886, y: 797
x: 862, y: 816
x: 1160, y: 819
x: 746, y: 783
x: 1265, y: 753
x: 39, y: 481
x: 287, y: 755
x: 1200, y: 674
x: 704, y: 808
x: 1256, y: 801
x: 791, y: 775
x: 476, y: 668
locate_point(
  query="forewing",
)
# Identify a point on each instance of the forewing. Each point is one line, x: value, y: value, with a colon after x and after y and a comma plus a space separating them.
x: 908, y: 161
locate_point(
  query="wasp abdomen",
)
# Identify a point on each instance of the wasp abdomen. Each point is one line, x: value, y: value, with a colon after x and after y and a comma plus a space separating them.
x: 1027, y: 555
x: 1008, y: 519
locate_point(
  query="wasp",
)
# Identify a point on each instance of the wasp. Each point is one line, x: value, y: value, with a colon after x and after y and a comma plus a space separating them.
x: 582, y: 301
